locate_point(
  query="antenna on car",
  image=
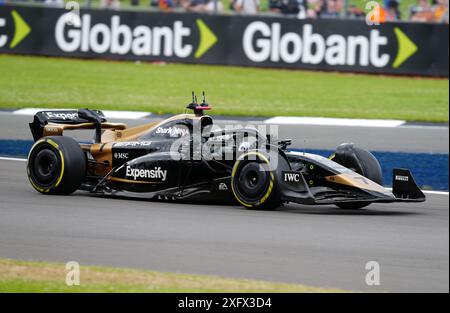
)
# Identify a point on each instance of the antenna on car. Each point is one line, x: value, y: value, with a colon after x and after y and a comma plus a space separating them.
x: 203, y: 98
x: 198, y: 108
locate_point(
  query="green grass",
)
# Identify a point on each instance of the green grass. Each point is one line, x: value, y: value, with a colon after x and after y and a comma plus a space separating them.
x: 165, y: 88
x: 29, y: 276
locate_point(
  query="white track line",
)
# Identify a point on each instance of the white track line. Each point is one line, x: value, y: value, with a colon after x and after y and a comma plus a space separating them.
x: 13, y: 159
x: 131, y: 115
x: 325, y: 121
x: 431, y: 192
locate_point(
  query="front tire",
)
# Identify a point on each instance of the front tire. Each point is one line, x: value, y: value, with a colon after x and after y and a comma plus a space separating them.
x: 56, y: 165
x: 253, y: 184
x: 362, y: 162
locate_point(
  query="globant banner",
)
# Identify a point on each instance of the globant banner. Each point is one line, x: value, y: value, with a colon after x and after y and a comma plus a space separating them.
x: 336, y: 45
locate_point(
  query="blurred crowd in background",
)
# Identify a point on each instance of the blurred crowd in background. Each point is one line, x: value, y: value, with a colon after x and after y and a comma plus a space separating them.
x: 428, y: 11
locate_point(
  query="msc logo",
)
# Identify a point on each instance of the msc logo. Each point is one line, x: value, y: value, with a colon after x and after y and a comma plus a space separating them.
x: 121, y: 155
x: 78, y: 33
x: 21, y: 30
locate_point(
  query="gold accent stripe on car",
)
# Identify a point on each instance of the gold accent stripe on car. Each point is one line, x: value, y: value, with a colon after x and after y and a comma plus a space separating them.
x: 355, y: 180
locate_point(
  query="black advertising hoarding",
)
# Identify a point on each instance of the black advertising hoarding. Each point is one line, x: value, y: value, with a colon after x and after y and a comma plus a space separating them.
x: 338, y: 45
x: 117, y: 35
x: 395, y: 48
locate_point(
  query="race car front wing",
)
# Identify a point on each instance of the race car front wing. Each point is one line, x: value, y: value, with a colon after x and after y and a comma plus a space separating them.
x: 404, y: 189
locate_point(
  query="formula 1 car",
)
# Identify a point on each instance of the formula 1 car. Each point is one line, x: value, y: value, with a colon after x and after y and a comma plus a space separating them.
x: 184, y: 158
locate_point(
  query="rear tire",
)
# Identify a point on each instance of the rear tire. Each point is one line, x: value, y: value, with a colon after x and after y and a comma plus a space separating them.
x: 56, y: 165
x: 253, y: 184
x: 362, y: 162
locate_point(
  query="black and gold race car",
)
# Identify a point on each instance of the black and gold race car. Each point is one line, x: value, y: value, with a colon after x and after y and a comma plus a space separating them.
x: 185, y: 157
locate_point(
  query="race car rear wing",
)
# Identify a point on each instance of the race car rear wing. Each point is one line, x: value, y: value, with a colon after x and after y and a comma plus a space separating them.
x: 56, y: 121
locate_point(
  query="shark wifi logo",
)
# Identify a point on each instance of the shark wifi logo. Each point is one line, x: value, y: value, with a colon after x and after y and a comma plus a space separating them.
x: 21, y: 30
x: 141, y: 40
x: 264, y: 42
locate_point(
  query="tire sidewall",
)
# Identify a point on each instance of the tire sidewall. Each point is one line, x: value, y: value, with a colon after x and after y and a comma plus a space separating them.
x: 268, y: 196
x: 71, y: 165
x: 364, y: 163
x: 37, y: 148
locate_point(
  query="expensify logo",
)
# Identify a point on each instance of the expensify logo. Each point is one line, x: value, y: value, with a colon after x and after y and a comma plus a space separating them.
x: 21, y: 30
x: 264, y: 42
x: 77, y: 33
x: 156, y: 173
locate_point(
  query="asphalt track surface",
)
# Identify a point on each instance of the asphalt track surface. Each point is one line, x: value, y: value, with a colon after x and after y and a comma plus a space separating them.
x: 318, y: 246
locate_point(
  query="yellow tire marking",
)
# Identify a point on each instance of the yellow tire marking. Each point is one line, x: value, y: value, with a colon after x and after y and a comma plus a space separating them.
x: 62, y: 169
x: 56, y: 146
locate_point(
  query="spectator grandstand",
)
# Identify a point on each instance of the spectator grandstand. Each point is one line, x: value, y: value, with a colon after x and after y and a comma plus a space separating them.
x: 425, y: 11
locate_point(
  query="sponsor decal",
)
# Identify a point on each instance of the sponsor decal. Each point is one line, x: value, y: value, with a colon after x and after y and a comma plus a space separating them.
x: 264, y: 42
x: 220, y: 138
x: 132, y: 144
x: 292, y: 177
x: 155, y: 173
x: 401, y: 178
x: 62, y: 115
x: 79, y: 33
x: 223, y: 187
x: 52, y: 129
x: 295, y: 180
x: 173, y: 131
x: 121, y: 155
x: 21, y: 30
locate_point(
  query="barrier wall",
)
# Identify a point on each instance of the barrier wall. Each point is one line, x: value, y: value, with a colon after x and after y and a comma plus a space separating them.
x: 326, y: 44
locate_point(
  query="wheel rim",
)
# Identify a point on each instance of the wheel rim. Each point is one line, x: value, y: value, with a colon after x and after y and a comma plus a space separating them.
x: 45, y: 167
x: 252, y: 183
